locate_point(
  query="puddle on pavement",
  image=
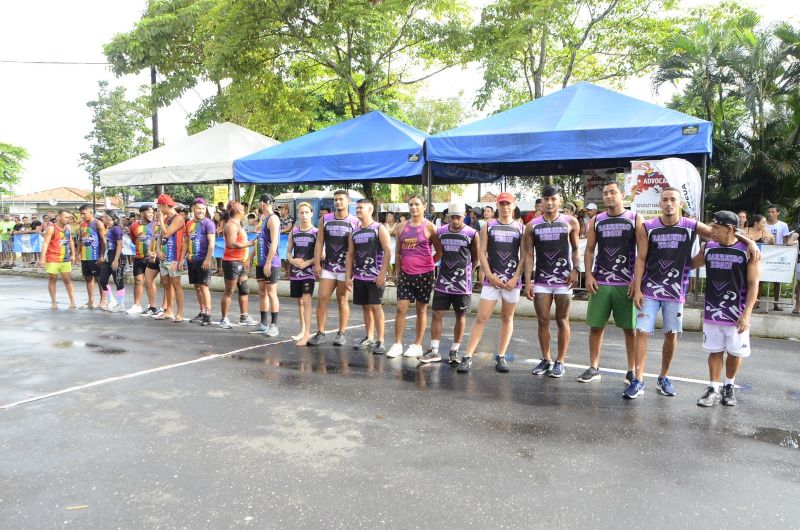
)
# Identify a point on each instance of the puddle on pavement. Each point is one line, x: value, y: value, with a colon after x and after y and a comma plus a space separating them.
x: 69, y: 344
x: 780, y: 437
x: 98, y: 348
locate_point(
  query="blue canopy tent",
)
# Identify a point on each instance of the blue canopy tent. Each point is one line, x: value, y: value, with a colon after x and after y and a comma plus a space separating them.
x: 580, y: 127
x: 369, y: 147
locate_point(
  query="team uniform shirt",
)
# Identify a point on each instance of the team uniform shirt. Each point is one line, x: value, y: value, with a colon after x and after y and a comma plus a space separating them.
x: 264, y: 244
x: 415, y: 249
x: 236, y: 254
x: 197, y: 233
x: 455, y: 267
x: 726, y: 277
x: 337, y: 232
x: 616, y: 248
x: 502, y: 248
x: 141, y: 236
x: 669, y: 254
x: 58, y: 250
x: 368, y: 260
x: 113, y: 238
x: 303, y: 243
x: 553, y: 251
x: 90, y: 241
x: 170, y: 245
x: 780, y: 231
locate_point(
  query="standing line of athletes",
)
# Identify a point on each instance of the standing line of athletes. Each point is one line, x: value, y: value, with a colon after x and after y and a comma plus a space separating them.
x: 634, y: 269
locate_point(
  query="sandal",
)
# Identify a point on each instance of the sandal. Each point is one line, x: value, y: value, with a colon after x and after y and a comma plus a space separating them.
x: 177, y: 320
x: 163, y: 316
x: 796, y: 311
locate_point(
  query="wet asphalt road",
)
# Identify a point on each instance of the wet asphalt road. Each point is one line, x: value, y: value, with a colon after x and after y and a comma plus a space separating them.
x: 277, y: 436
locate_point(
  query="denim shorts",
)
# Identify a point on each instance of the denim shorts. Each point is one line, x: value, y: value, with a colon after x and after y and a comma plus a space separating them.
x: 672, y: 312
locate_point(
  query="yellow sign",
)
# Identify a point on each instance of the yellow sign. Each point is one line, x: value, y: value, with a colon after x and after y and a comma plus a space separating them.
x: 220, y: 194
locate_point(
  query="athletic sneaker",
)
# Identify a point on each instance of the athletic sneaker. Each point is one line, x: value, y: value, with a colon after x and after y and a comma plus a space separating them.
x: 317, y: 339
x: 465, y: 365
x: 378, y: 348
x: 709, y: 398
x: 247, y: 320
x: 395, y: 351
x: 340, y: 339
x: 197, y: 319
x: 558, y: 370
x: 629, y: 375
x: 543, y: 367
x: 500, y: 364
x: 414, y: 350
x: 453, y: 356
x: 430, y: 357
x: 262, y: 330
x: 112, y: 303
x: 634, y: 390
x: 206, y: 320
x: 134, y: 310
x: 272, y: 330
x: 119, y: 308
x: 665, y: 386
x: 159, y: 311
x: 225, y: 323
x: 728, y: 398
x: 150, y: 311
x: 591, y: 374
x: 364, y: 344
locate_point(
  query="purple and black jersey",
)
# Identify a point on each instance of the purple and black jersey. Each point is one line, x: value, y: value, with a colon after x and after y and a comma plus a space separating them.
x: 337, y: 232
x: 726, y: 283
x: 303, y: 243
x: 502, y: 249
x: 616, y: 248
x: 368, y: 260
x: 669, y: 255
x: 455, y: 268
x: 553, y: 251
x: 113, y: 237
x: 265, y: 243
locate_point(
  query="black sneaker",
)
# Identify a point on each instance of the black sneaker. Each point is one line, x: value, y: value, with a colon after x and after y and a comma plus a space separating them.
x: 317, y: 339
x: 364, y: 344
x: 557, y: 370
x: 453, y: 356
x: 500, y: 364
x: 591, y: 374
x: 158, y: 312
x: 340, y: 339
x: 379, y: 349
x: 709, y: 398
x: 727, y: 396
x: 430, y: 357
x: 206, y: 320
x: 197, y: 319
x: 629, y: 375
x: 465, y: 365
x: 148, y: 312
x: 543, y: 367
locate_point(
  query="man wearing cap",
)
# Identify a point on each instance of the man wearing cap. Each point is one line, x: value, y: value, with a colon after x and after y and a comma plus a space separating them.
x: 661, y: 277
x: 267, y: 263
x: 551, y: 271
x: 167, y: 241
x: 199, y: 237
x: 453, y: 286
x: 500, y: 242
x: 731, y: 293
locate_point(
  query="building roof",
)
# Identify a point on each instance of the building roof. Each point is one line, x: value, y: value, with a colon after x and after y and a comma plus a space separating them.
x: 62, y: 195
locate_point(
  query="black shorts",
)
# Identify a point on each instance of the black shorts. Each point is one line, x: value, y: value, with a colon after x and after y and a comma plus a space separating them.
x: 297, y: 288
x: 233, y: 270
x: 443, y: 302
x: 276, y: 271
x: 154, y: 265
x: 139, y: 265
x: 198, y: 275
x: 89, y: 267
x: 365, y: 292
x: 415, y: 287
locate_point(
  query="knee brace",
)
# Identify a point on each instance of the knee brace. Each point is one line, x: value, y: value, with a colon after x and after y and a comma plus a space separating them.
x: 244, y: 288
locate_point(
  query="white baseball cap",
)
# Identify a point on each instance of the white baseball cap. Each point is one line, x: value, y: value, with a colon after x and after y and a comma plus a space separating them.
x: 591, y: 206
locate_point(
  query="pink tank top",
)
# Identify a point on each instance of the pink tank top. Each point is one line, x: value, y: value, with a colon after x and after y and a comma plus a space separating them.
x: 415, y: 249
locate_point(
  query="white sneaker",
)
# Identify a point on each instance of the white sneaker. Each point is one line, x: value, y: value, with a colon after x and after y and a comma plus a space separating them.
x: 415, y: 350
x: 119, y: 308
x: 134, y: 310
x: 112, y: 303
x: 395, y: 351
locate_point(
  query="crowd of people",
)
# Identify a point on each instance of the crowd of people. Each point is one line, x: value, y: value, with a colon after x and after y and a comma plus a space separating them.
x: 634, y: 270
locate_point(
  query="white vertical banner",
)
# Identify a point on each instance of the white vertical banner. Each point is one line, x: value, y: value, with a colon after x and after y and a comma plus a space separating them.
x: 649, y: 177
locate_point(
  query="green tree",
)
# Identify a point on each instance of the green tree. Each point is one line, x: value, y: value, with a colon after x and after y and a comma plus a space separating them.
x: 11, y: 158
x: 120, y: 132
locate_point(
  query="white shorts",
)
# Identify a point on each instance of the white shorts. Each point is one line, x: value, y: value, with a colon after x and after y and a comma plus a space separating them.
x: 557, y: 289
x: 490, y: 292
x: 718, y: 338
x: 328, y: 275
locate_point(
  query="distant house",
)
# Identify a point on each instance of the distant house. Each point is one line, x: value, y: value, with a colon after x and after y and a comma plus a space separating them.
x: 53, y: 200
x: 489, y: 197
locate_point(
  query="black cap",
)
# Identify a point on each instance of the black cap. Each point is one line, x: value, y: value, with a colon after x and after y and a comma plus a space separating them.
x: 267, y: 198
x: 726, y: 218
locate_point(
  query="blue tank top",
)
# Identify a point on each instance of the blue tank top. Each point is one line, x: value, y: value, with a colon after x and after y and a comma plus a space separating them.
x: 266, y: 243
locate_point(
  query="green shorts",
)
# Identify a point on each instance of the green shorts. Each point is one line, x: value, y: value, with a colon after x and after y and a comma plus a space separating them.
x: 607, y: 299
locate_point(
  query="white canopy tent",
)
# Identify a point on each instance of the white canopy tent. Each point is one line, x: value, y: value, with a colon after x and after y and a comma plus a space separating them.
x: 206, y: 156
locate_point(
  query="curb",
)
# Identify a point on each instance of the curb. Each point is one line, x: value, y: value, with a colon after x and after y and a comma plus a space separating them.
x: 768, y: 326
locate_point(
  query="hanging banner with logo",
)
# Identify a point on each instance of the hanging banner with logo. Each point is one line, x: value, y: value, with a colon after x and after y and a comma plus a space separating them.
x: 648, y: 177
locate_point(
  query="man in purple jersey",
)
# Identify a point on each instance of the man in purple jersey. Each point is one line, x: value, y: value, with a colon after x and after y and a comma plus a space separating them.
x: 199, y: 237
x: 267, y: 263
x: 609, y: 277
x: 731, y: 293
x: 663, y: 259
x: 453, y: 286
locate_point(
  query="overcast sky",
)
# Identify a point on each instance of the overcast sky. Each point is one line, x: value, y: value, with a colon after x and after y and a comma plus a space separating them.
x: 43, y: 106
